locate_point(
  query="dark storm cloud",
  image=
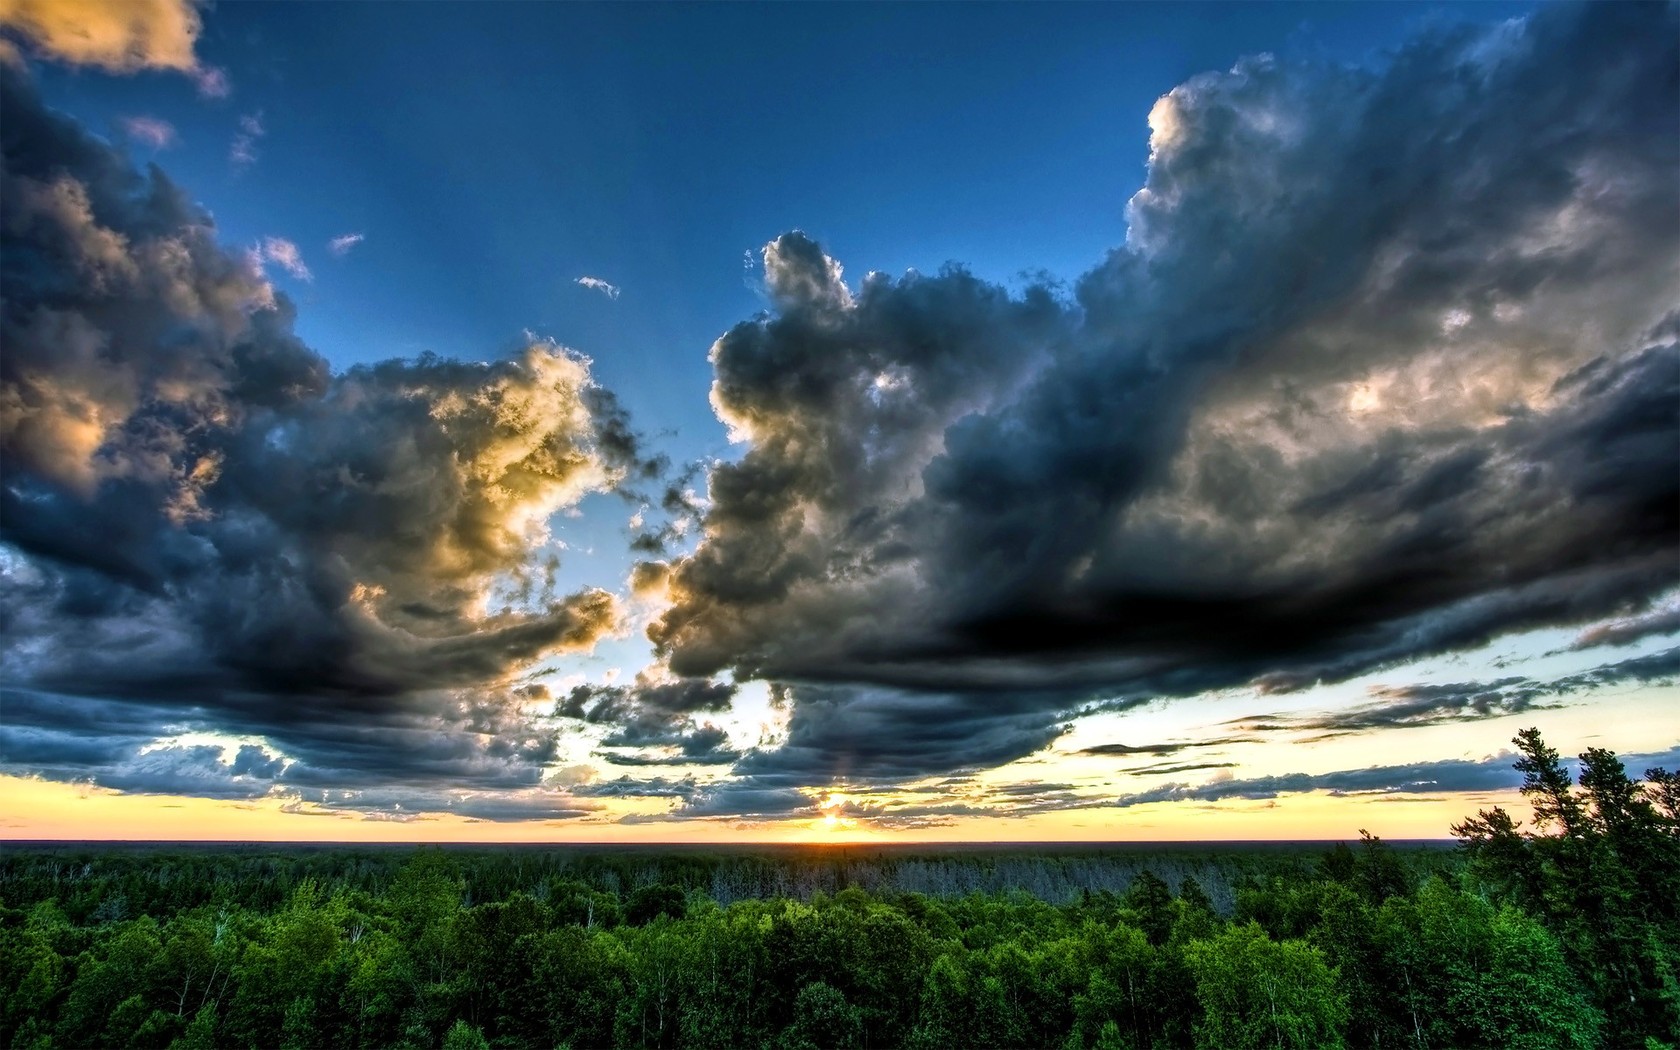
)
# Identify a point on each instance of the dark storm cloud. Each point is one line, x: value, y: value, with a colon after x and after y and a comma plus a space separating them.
x: 202, y: 528
x: 647, y: 701
x: 842, y: 735
x: 198, y: 770
x: 657, y: 715
x: 1386, y: 368
x: 638, y: 787
x: 703, y: 745
x: 1398, y: 707
x: 859, y: 739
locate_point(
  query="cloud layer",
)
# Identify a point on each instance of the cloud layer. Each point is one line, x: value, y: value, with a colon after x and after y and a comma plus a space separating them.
x: 206, y: 530
x: 1387, y: 367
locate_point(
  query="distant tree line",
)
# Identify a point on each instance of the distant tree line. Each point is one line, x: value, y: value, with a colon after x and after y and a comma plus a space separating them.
x: 1564, y: 936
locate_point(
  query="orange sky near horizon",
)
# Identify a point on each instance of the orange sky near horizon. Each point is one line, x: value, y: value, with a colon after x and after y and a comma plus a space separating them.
x: 35, y: 810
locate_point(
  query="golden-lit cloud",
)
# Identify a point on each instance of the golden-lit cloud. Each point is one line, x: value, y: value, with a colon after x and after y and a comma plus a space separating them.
x: 118, y: 36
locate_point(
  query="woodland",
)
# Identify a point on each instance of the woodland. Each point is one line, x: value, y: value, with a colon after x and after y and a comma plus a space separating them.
x: 1563, y: 932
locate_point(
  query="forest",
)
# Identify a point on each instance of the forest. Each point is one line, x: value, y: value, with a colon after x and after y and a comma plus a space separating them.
x: 1563, y: 934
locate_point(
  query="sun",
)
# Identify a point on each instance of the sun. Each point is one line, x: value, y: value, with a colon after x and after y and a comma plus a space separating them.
x: 833, y: 810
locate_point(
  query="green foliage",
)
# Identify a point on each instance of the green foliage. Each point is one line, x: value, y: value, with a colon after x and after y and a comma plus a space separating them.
x: 822, y: 1018
x: 1601, y: 872
x: 650, y: 902
x: 1256, y: 992
x: 463, y: 1036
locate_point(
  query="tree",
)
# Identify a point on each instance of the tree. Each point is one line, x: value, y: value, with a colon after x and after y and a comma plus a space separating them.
x: 650, y: 902
x: 823, y: 1020
x: 1152, y: 903
x: 1258, y: 993
x: 464, y: 1036
x: 1602, y: 871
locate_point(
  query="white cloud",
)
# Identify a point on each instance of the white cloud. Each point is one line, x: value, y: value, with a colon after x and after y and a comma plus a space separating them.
x: 340, y: 246
x: 150, y: 131
x: 284, y: 254
x: 609, y: 290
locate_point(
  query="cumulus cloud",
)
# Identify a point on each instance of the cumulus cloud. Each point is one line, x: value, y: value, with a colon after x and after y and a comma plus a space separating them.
x: 203, y: 529
x: 118, y: 38
x: 340, y: 246
x: 648, y: 578
x: 598, y: 285
x: 150, y: 131
x: 1385, y: 368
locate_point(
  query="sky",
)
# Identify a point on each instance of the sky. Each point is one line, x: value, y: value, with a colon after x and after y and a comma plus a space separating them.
x: 540, y: 422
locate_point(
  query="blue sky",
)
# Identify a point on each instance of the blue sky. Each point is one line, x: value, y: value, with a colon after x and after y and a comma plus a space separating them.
x: 1277, y: 328
x: 493, y: 153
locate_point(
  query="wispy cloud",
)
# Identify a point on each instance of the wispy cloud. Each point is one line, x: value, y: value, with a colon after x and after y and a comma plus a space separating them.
x: 606, y: 289
x: 212, y: 82
x: 1494, y: 773
x: 340, y: 246
x: 1161, y: 750
x: 150, y: 131
x: 1406, y: 706
x: 1664, y: 619
x: 284, y: 254
x: 243, y: 153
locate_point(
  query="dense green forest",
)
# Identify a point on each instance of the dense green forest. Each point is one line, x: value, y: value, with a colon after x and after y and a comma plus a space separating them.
x: 1566, y: 935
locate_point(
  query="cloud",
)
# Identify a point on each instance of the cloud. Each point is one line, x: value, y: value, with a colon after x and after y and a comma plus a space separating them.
x: 204, y: 529
x: 1162, y: 750
x: 839, y: 734
x: 1663, y: 619
x: 284, y: 254
x: 118, y: 38
x: 1399, y: 707
x: 1165, y: 768
x: 649, y: 577
x: 657, y: 716
x: 700, y: 745
x: 150, y: 131
x: 1449, y: 775
x: 212, y: 82
x: 243, y: 152
x: 340, y: 246
x: 836, y: 736
x: 1386, y: 368
x: 596, y: 284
